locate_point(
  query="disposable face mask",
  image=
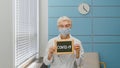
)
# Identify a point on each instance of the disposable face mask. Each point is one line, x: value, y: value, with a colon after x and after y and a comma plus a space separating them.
x: 64, y: 31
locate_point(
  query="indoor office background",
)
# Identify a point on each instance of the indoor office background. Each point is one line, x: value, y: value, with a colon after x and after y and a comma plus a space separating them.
x: 99, y: 31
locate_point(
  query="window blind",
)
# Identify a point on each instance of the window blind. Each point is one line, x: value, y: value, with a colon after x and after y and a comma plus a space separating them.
x: 25, y: 30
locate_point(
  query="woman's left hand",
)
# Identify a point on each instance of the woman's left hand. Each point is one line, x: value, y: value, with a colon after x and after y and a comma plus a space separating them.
x: 77, y: 49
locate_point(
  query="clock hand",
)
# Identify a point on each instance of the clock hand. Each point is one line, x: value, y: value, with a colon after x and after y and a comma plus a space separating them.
x: 84, y: 8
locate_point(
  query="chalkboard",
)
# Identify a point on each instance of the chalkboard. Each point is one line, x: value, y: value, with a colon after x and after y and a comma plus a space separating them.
x: 64, y: 46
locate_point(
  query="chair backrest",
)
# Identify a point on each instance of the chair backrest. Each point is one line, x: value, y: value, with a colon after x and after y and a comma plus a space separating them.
x: 91, y: 60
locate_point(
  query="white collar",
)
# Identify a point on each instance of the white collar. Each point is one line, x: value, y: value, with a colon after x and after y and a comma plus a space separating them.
x: 60, y: 37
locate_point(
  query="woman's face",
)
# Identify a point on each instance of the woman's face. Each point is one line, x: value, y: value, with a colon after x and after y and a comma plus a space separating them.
x: 64, y: 24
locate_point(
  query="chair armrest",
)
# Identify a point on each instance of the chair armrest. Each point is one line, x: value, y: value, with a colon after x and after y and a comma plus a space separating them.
x: 103, y: 63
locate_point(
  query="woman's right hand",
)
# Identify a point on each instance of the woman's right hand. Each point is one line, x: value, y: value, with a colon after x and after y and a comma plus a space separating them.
x: 51, y: 51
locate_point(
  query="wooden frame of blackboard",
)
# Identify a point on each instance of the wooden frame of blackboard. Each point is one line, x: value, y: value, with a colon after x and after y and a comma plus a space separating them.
x: 72, y: 44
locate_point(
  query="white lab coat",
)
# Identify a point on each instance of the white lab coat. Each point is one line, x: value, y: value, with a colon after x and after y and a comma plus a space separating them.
x: 63, y: 61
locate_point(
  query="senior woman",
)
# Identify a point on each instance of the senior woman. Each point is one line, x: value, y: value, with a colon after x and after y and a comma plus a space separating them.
x: 64, y: 25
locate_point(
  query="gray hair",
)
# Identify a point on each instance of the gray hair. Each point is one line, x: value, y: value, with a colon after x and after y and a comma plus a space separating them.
x: 64, y: 18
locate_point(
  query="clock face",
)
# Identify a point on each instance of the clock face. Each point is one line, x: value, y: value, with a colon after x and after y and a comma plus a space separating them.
x: 84, y: 8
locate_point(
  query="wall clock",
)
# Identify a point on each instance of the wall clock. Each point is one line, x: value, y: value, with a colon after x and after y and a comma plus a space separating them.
x: 84, y: 8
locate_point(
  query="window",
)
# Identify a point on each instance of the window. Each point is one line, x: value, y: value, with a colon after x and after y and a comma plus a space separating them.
x: 25, y: 30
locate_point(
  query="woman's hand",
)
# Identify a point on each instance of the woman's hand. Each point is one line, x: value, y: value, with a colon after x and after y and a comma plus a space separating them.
x: 51, y: 51
x: 77, y: 49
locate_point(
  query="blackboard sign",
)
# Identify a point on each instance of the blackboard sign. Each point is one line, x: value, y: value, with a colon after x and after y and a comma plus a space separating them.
x: 64, y: 46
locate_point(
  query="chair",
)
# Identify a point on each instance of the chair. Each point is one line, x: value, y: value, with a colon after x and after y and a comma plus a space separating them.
x: 91, y: 60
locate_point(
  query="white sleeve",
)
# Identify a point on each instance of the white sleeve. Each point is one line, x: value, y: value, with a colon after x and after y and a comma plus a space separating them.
x: 45, y: 59
x: 80, y: 59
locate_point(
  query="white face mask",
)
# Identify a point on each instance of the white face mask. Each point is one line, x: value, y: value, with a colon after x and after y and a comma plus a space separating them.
x: 64, y: 31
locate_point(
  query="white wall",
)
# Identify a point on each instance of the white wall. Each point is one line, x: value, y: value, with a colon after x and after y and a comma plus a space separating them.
x: 43, y: 26
x: 6, y: 36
